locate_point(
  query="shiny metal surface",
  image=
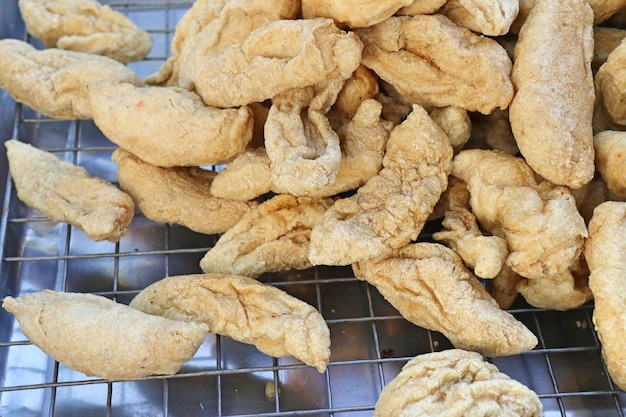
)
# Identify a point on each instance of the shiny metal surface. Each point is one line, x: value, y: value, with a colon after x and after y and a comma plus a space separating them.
x: 370, y: 341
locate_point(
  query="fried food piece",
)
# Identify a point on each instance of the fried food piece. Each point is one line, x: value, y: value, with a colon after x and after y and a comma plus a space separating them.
x: 271, y: 237
x: 421, y: 7
x: 389, y: 210
x: 610, y: 148
x: 503, y: 287
x: 168, y: 126
x: 54, y: 82
x: 489, y: 17
x: 612, y: 81
x: 605, y: 40
x: 280, y: 56
x: 99, y: 337
x: 552, y: 111
x: 361, y: 86
x: 455, y: 382
x: 455, y: 121
x: 605, y: 252
x: 353, y: 13
x: 65, y: 192
x: 430, y: 287
x: 437, y: 63
x: 178, y: 195
x: 244, y: 309
x: 246, y: 177
x: 591, y: 195
x: 85, y: 26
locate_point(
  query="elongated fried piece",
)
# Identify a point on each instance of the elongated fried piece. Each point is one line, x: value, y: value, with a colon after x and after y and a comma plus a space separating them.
x: 353, y: 13
x: 611, y: 81
x: 99, y: 337
x: 65, y: 192
x: 430, y: 287
x: 246, y: 177
x: 244, y: 309
x: 489, y: 17
x: 610, y: 148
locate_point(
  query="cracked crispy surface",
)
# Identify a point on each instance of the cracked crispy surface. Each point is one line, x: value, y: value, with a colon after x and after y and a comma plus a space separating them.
x: 65, y: 192
x: 430, y: 287
x: 610, y: 148
x: 246, y: 177
x: 489, y: 17
x: 353, y: 13
x: 455, y: 383
x: 99, y: 337
x: 244, y: 309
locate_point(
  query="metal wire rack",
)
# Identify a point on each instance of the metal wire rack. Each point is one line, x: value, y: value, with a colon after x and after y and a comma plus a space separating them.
x: 370, y: 340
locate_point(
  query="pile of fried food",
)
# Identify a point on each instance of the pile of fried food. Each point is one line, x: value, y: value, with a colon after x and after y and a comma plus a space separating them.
x: 341, y: 127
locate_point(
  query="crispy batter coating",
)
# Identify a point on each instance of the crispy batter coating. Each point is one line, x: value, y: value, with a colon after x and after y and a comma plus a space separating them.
x: 246, y: 177
x: 437, y: 63
x: 99, y: 337
x: 54, y: 82
x: 271, y: 237
x: 430, y: 287
x: 244, y: 309
x: 552, y: 111
x: 610, y: 148
x: 178, y: 195
x: 455, y: 383
x: 85, y: 26
x: 612, y: 81
x: 489, y: 17
x: 65, y: 192
x: 389, y: 210
x: 353, y: 13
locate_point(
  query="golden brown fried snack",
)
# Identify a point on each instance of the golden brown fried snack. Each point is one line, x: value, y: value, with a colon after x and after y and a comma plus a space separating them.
x: 610, y: 148
x: 455, y: 383
x: 271, y: 237
x: 246, y: 177
x: 65, y: 192
x: 489, y: 17
x: 612, y: 82
x: 99, y: 337
x: 430, y: 287
x: 552, y: 111
x: 456, y: 122
x: 421, y: 7
x: 605, y: 40
x: 389, y: 210
x: 605, y: 252
x: 503, y: 287
x: 280, y: 56
x: 353, y: 13
x: 54, y: 82
x: 361, y: 86
x: 436, y: 63
x: 178, y: 195
x: 168, y: 126
x: 591, y: 195
x: 244, y: 309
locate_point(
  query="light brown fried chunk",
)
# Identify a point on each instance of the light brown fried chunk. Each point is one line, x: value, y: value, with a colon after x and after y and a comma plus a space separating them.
x: 605, y: 252
x: 610, y: 148
x: 54, y: 82
x: 65, y: 192
x: 178, y: 195
x: 455, y: 121
x: 390, y: 209
x: 605, y: 40
x: 489, y: 17
x: 361, y: 86
x: 168, y: 126
x: 246, y: 177
x: 455, y: 383
x: 353, y: 13
x: 271, y: 237
x: 430, y: 287
x: 591, y: 195
x: 552, y: 111
x: 612, y: 81
x: 503, y: 287
x: 421, y: 7
x: 437, y: 63
x: 85, y: 26
x: 244, y: 309
x: 99, y: 337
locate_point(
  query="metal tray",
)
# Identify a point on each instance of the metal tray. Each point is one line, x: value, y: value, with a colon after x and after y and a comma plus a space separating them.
x: 370, y: 341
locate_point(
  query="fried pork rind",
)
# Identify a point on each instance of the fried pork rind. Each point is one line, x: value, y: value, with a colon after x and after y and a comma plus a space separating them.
x: 85, y: 26
x: 54, y: 82
x: 353, y: 13
x: 271, y: 237
x: 612, y: 81
x: 362, y: 85
x: 591, y: 195
x: 503, y: 287
x: 551, y: 114
x: 456, y: 122
x: 430, y: 287
x: 278, y: 57
x: 437, y: 63
x: 168, y: 126
x: 455, y: 382
x: 421, y: 7
x: 610, y: 148
x: 489, y: 17
x: 180, y: 195
x: 65, y: 192
x: 605, y: 252
x: 99, y: 337
x: 244, y: 309
x: 389, y: 210
x: 605, y: 40
x: 246, y: 177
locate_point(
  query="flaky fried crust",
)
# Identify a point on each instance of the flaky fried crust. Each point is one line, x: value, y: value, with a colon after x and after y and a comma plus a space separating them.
x: 353, y: 13
x: 489, y: 17
x: 610, y: 147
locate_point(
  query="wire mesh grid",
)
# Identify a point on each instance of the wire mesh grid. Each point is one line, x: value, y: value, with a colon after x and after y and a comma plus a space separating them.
x: 370, y: 340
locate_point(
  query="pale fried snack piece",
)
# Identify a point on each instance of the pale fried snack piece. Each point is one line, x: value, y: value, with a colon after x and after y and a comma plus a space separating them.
x: 271, y: 237
x: 612, y: 82
x: 455, y: 382
x: 489, y: 17
x: 246, y: 177
x: 605, y: 40
x: 437, y: 63
x: 552, y: 110
x: 168, y: 126
x: 605, y: 252
x: 421, y: 7
x: 591, y: 195
x: 455, y: 121
x: 66, y: 192
x: 54, y: 82
x: 275, y: 58
x: 362, y: 85
x: 180, y: 195
x: 430, y: 287
x: 244, y: 309
x: 85, y: 26
x: 391, y: 208
x: 503, y: 287
x: 99, y: 337
x: 353, y: 13
x: 610, y: 148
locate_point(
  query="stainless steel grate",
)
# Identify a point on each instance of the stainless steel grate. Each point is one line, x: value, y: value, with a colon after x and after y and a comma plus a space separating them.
x: 370, y: 341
